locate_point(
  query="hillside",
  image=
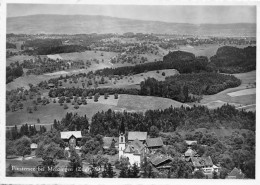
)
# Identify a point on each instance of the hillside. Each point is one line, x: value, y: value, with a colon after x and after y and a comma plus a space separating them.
x: 75, y: 24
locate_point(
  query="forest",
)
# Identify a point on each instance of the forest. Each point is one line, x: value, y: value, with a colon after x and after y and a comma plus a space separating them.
x: 183, y: 87
x: 56, y: 49
x: 13, y: 71
x: 172, y: 119
x: 230, y: 59
x: 182, y: 61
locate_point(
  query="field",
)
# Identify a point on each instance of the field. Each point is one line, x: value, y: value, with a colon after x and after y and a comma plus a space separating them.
x: 19, y: 58
x: 205, y: 50
x: 47, y: 113
x: 241, y: 96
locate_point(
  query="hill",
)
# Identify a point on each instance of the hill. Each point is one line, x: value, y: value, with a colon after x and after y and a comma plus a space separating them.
x: 76, y: 24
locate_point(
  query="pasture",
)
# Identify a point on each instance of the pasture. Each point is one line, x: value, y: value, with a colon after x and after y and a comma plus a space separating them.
x: 47, y: 113
x: 242, y: 95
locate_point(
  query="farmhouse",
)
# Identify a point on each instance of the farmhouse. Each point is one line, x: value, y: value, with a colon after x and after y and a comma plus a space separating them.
x: 71, y: 138
x: 203, y: 163
x: 236, y: 174
x: 161, y: 162
x: 141, y: 136
x: 154, y: 143
x: 33, y: 147
x: 190, y: 143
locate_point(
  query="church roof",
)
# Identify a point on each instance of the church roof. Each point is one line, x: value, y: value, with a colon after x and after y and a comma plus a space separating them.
x: 201, y: 161
x: 138, y: 145
x: 153, y: 142
x: 137, y: 135
x: 68, y: 134
x: 129, y: 149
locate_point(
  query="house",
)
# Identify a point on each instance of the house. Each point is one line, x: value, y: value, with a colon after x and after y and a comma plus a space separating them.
x: 190, y: 142
x: 108, y: 141
x: 141, y: 136
x: 154, y: 143
x: 71, y: 138
x: 33, y: 147
x: 203, y: 163
x: 51, y: 85
x: 236, y: 174
x: 189, y: 153
x: 161, y: 161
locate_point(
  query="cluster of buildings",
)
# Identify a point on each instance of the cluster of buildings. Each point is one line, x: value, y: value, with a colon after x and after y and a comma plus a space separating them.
x: 137, y: 145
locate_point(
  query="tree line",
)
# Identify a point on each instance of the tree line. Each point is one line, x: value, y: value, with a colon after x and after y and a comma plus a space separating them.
x: 183, y: 87
x: 172, y: 119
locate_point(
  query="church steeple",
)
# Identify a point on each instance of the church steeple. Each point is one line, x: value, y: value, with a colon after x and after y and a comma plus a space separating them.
x: 122, y: 127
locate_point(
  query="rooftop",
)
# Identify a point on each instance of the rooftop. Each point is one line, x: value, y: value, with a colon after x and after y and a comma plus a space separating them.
x: 137, y: 135
x: 201, y: 161
x: 68, y: 134
x: 153, y: 142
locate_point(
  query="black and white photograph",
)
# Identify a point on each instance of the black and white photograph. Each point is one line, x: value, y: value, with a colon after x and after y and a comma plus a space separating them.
x: 140, y: 91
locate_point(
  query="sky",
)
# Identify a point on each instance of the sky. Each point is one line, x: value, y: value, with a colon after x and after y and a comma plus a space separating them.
x: 170, y: 13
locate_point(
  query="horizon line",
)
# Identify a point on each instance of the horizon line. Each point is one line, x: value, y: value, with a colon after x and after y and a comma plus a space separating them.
x: 132, y: 19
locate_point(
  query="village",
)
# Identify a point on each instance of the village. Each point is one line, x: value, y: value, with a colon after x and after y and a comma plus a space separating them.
x: 135, y: 147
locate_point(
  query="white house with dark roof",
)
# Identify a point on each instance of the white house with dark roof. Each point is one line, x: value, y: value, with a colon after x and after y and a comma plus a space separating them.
x: 71, y: 138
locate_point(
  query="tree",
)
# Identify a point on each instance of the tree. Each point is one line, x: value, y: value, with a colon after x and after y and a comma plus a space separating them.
x: 180, y: 168
x: 163, y: 73
x: 93, y: 172
x: 104, y: 172
x: 215, y: 175
x: 123, y: 172
x: 65, y: 106
x: 75, y: 166
x: 249, y: 169
x: 135, y: 171
x: 223, y: 173
x: 47, y: 167
x: 23, y: 146
x: 96, y: 97
x: 106, y: 95
x: 116, y: 96
x: 154, y: 131
x: 199, y: 174
x: 110, y: 171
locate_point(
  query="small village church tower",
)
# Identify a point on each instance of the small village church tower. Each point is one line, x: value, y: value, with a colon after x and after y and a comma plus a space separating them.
x: 121, y: 142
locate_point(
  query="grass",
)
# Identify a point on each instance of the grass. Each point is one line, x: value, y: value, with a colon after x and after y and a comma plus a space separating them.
x: 143, y: 103
x: 247, y: 80
x: 243, y: 92
x: 47, y: 113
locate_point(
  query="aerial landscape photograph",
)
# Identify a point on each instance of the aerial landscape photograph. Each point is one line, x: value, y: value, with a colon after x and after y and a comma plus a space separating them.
x: 130, y: 91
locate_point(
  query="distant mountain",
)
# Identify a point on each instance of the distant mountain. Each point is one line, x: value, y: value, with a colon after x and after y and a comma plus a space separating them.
x: 78, y: 24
